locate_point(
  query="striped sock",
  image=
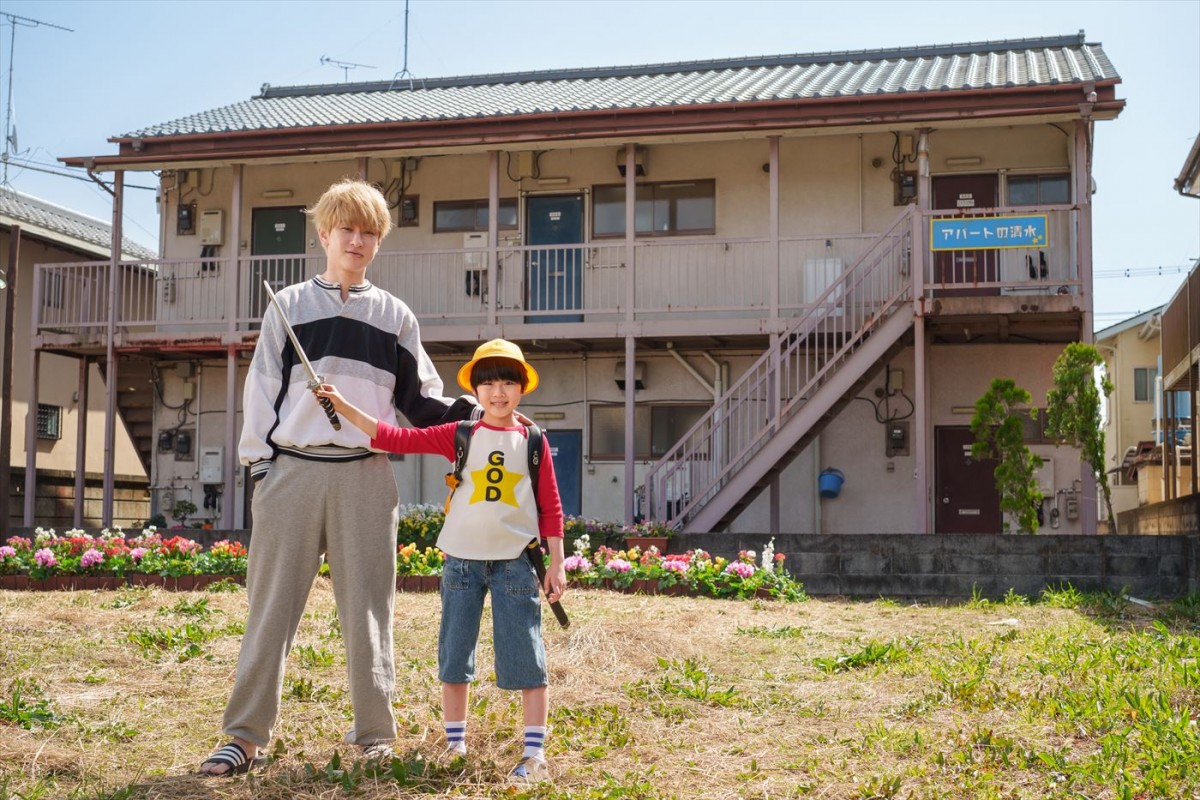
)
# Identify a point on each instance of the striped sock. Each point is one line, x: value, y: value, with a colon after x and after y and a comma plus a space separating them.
x: 535, y: 741
x: 456, y: 737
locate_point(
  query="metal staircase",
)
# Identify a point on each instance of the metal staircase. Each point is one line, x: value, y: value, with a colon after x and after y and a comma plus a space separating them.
x: 784, y: 399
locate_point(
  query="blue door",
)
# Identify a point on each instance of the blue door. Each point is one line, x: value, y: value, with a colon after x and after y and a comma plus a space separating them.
x: 554, y: 272
x: 566, y: 449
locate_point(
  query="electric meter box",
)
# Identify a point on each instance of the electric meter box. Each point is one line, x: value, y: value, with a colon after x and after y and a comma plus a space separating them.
x: 212, y: 227
x: 212, y: 464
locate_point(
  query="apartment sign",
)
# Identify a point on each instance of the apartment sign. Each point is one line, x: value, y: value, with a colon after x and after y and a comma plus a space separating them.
x: 988, y: 233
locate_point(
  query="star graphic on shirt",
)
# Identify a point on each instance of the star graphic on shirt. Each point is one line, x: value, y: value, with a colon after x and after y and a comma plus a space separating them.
x: 495, y: 484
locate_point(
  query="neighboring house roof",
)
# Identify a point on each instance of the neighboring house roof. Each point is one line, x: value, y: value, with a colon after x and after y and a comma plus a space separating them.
x: 1137, y: 321
x: 63, y: 226
x: 937, y: 69
x: 1188, y: 182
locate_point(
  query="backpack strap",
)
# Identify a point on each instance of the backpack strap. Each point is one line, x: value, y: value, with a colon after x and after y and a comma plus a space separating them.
x: 536, y: 446
x: 462, y: 444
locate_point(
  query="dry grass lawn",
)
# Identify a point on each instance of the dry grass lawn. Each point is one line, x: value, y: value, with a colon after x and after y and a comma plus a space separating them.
x: 112, y: 695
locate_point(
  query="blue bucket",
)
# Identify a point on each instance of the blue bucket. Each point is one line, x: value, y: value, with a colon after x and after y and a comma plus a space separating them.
x: 830, y: 482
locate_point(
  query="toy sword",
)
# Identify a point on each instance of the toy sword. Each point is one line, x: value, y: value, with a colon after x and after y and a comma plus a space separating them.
x: 314, y: 380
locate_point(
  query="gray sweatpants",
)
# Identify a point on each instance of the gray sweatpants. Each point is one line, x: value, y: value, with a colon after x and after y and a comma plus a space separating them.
x: 301, y: 508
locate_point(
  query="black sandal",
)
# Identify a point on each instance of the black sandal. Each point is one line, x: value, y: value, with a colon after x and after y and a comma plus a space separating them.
x: 233, y: 756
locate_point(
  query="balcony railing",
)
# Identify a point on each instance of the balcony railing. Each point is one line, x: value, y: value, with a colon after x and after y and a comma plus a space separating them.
x: 678, y: 279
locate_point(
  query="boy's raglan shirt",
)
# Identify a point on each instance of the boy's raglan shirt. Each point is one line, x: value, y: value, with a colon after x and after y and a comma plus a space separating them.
x: 369, y: 346
x: 493, y: 515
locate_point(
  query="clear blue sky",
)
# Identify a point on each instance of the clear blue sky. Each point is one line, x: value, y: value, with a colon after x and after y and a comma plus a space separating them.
x: 135, y: 63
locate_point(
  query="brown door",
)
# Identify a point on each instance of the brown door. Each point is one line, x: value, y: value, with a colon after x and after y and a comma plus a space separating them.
x: 965, y: 195
x: 966, y: 499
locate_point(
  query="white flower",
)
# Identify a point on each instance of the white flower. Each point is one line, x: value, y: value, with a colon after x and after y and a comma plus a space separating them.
x: 768, y: 556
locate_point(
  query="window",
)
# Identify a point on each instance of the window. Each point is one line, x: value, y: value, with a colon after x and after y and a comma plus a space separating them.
x: 660, y: 209
x: 656, y: 429
x: 1038, y: 190
x: 1143, y: 384
x: 1034, y: 427
x: 49, y: 421
x: 472, y: 215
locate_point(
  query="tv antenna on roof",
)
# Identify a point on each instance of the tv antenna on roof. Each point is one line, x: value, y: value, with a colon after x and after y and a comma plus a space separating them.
x: 345, y: 65
x: 10, y: 130
x: 399, y: 76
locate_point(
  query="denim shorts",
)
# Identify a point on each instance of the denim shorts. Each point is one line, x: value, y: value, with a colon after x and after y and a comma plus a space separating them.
x: 516, y: 621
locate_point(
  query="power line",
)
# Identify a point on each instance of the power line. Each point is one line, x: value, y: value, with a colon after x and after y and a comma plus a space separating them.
x: 1141, y: 272
x: 29, y: 166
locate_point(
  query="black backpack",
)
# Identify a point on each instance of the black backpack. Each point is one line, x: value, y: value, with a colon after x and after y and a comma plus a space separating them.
x: 462, y: 444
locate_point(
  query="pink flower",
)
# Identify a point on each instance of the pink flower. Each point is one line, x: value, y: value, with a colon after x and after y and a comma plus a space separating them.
x: 675, y: 565
x: 137, y: 553
x: 740, y: 568
x: 45, y: 558
x: 7, y: 552
x: 576, y: 564
x: 619, y: 565
x: 91, y: 558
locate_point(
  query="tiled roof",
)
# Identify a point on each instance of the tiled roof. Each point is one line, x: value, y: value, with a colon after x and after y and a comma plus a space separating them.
x: 1046, y: 61
x: 67, y: 227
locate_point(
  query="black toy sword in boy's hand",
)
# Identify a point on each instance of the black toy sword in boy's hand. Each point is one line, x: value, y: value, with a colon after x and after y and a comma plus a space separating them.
x: 534, y: 551
x: 314, y: 380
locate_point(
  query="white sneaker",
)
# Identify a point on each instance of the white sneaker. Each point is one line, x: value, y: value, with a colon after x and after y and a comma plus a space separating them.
x: 528, y: 771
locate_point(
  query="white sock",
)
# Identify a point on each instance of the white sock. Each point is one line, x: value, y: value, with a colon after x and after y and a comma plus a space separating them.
x: 456, y: 736
x: 535, y: 741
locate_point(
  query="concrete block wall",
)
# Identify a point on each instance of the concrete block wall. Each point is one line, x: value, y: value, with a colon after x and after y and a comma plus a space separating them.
x: 908, y: 565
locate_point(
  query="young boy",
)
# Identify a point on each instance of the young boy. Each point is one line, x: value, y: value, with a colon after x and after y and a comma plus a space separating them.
x: 323, y: 490
x: 491, y: 518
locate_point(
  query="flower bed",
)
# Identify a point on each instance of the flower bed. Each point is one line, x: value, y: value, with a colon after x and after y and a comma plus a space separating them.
x: 694, y: 573
x: 76, y: 560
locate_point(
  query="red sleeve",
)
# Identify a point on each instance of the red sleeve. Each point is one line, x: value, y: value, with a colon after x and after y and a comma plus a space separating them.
x: 438, y: 440
x: 550, y: 513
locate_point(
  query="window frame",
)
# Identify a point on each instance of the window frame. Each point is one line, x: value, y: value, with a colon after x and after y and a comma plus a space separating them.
x: 642, y: 410
x: 49, y: 422
x: 1151, y: 374
x: 1039, y: 177
x: 479, y: 208
x: 599, y: 190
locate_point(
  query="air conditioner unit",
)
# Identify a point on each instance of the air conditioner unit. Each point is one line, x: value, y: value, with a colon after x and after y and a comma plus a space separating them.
x: 212, y: 227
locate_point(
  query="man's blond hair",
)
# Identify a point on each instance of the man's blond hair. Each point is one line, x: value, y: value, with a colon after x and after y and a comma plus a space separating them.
x: 355, y: 203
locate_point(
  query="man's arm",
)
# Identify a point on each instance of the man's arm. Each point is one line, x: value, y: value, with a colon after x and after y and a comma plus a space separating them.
x: 419, y: 387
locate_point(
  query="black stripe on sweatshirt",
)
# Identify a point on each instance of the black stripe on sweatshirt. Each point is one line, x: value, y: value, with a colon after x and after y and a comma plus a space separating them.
x: 348, y: 339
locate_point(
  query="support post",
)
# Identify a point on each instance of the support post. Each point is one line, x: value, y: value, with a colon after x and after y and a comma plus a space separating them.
x: 81, y: 420
x: 111, y: 385
x: 6, y: 370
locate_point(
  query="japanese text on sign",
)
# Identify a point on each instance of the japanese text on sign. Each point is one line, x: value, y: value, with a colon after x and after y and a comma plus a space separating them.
x: 988, y: 233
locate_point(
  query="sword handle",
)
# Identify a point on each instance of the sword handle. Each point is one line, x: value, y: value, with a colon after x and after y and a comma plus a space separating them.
x: 327, y: 404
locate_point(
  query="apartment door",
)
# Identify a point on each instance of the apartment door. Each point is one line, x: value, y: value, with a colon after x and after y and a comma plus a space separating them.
x: 566, y: 448
x: 963, y: 195
x: 275, y: 232
x: 966, y: 496
x: 554, y: 272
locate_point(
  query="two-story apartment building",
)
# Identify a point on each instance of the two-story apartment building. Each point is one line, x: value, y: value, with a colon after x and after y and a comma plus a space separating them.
x: 734, y: 276
x: 63, y: 441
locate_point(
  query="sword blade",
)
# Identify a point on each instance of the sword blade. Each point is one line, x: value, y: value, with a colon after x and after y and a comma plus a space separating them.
x: 313, y: 379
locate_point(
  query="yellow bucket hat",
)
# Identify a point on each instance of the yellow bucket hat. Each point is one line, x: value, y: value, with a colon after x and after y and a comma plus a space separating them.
x: 498, y: 348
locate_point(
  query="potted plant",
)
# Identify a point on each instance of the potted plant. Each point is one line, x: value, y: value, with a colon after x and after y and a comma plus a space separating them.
x: 649, y: 533
x: 182, y: 510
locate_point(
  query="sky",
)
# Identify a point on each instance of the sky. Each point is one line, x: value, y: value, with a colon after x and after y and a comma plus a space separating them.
x: 128, y: 64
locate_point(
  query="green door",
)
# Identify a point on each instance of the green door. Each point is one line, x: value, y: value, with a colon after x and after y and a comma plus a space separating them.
x: 275, y: 232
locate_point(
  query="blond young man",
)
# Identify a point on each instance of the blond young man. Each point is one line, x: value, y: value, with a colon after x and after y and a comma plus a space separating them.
x: 320, y: 490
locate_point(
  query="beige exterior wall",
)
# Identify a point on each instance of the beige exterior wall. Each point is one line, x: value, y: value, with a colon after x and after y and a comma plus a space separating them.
x: 1128, y: 421
x: 58, y: 383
